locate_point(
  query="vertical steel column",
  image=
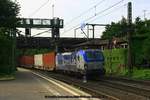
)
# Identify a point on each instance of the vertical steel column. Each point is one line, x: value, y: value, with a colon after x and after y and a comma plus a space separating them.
x: 74, y: 33
x: 129, y: 37
x: 93, y: 30
x: 88, y: 31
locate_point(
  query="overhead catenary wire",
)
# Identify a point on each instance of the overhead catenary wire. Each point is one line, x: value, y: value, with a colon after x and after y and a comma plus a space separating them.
x: 116, y: 9
x: 148, y: 13
x: 41, y: 33
x: 38, y: 9
x: 75, y: 18
x: 110, y: 7
x: 33, y: 13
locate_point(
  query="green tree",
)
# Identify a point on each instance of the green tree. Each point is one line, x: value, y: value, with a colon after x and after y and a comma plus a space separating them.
x: 140, y: 37
x: 146, y: 42
x: 146, y: 49
x: 8, y: 12
x: 115, y: 29
x: 140, y: 27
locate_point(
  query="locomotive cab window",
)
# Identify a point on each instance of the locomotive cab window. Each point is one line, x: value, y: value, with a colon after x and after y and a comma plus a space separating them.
x: 93, y: 56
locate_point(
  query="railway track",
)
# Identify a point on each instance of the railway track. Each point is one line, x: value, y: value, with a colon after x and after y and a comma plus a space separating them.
x: 133, y: 81
x: 107, y: 88
x: 131, y: 87
x: 78, y: 83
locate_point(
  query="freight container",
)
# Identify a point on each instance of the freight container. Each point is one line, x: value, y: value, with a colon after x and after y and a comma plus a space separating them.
x: 21, y: 61
x: 27, y: 61
x: 66, y: 62
x: 38, y: 61
x: 49, y: 61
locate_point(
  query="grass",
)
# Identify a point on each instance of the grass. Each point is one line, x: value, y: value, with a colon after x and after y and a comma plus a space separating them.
x: 138, y: 74
x: 143, y: 74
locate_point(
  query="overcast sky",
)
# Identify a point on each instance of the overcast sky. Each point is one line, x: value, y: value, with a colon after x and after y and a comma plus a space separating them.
x: 70, y: 9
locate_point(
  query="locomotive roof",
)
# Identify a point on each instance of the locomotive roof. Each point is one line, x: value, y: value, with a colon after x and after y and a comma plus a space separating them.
x: 67, y: 53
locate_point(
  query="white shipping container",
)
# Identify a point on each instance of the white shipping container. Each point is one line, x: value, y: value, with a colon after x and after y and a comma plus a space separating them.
x: 38, y: 60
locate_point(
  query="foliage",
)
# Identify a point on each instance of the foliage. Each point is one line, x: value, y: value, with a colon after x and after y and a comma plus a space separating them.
x: 140, y: 37
x: 8, y: 13
x: 115, y: 64
x: 5, y: 53
x: 146, y: 49
x: 146, y: 42
x: 115, y: 29
x: 136, y: 56
x: 141, y: 27
x: 141, y: 74
x: 115, y: 61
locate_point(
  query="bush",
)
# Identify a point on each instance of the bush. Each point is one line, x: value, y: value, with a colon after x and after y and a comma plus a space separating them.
x: 141, y: 74
x: 5, y: 54
x: 115, y: 61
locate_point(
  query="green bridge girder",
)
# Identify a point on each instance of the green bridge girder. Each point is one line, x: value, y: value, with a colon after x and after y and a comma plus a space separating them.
x: 39, y: 23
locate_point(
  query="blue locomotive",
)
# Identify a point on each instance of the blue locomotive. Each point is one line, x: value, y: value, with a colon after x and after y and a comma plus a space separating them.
x: 85, y: 62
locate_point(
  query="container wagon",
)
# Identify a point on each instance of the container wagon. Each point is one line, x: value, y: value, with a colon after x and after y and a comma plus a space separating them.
x: 26, y: 61
x: 49, y: 61
x: 38, y: 61
x: 84, y: 62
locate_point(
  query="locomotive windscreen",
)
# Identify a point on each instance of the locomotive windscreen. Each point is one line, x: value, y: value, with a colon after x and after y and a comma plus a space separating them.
x: 94, y: 56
